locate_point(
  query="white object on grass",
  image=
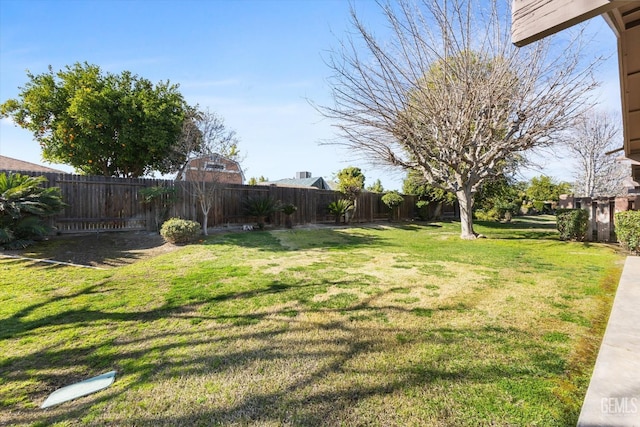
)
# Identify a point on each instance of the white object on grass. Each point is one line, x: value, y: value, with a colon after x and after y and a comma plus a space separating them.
x: 80, y: 389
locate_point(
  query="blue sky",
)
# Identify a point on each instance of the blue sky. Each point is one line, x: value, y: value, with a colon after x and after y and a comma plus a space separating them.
x: 257, y: 63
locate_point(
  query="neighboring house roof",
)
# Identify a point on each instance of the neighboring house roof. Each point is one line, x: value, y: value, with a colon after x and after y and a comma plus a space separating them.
x: 313, y: 182
x: 11, y: 164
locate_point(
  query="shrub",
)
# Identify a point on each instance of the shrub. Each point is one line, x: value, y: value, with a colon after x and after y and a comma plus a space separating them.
x: 176, y: 230
x: 392, y: 199
x: 422, y: 209
x: 628, y: 230
x: 538, y: 206
x: 572, y: 224
x: 288, y: 209
x: 488, y: 215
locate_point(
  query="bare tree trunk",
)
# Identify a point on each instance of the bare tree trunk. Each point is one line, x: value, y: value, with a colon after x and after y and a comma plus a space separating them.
x: 205, y: 206
x: 205, y: 222
x: 352, y: 215
x: 465, y: 199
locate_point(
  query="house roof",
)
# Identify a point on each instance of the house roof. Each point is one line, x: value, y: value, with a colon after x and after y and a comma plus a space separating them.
x: 313, y: 182
x: 11, y: 164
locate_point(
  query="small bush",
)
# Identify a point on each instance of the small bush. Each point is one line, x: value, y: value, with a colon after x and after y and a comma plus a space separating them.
x: 422, y: 209
x: 489, y: 215
x: 628, y: 230
x: 538, y: 206
x: 393, y: 200
x: 572, y: 224
x: 288, y: 209
x: 176, y: 230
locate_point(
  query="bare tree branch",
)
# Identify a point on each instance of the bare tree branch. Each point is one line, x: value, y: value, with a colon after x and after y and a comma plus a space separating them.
x: 594, y: 134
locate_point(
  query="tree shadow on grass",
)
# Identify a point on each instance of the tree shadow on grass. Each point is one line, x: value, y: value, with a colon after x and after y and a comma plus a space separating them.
x: 305, y: 399
x: 175, y: 344
x: 108, y: 249
x: 317, y: 367
x: 287, y: 240
x: 525, y: 228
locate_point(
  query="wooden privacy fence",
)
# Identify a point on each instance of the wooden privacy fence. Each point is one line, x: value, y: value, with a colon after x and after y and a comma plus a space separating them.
x: 96, y: 203
x: 312, y: 205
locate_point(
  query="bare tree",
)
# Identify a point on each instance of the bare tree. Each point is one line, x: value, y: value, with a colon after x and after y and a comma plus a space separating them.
x: 448, y: 95
x: 595, y: 134
x: 208, y: 141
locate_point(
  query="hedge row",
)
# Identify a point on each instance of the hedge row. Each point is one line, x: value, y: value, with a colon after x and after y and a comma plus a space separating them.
x: 628, y: 230
x: 572, y: 224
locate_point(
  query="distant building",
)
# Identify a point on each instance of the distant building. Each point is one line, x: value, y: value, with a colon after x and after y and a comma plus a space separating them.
x: 15, y: 165
x: 213, y: 168
x: 302, y: 180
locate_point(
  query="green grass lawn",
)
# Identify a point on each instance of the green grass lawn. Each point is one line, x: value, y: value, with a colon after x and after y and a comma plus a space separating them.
x: 386, y: 325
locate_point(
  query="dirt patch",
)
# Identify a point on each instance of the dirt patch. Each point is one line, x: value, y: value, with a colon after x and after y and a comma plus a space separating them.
x: 103, y: 250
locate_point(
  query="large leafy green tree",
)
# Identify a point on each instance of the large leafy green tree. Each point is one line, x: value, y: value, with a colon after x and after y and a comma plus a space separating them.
x: 376, y: 187
x: 545, y: 189
x: 24, y: 204
x: 102, y: 123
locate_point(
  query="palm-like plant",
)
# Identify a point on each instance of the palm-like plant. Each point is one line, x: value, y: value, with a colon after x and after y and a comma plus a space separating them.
x: 288, y: 209
x: 261, y: 208
x: 23, y: 205
x: 340, y: 208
